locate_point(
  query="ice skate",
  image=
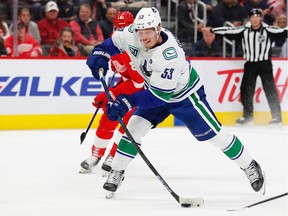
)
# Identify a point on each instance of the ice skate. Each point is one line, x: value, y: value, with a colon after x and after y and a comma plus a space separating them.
x: 106, y: 166
x: 256, y: 177
x: 275, y: 123
x: 244, y: 121
x: 88, y: 164
x: 113, y: 182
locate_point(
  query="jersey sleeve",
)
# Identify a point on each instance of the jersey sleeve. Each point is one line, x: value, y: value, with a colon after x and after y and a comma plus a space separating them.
x: 229, y: 32
x: 132, y: 81
x: 121, y: 36
x: 276, y: 33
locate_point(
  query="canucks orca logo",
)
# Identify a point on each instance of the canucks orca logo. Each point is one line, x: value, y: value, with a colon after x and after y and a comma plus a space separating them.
x: 144, y: 70
x: 134, y: 50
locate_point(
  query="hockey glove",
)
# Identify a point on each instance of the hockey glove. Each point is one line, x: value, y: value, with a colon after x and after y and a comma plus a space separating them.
x: 101, y: 98
x: 119, y: 107
x: 96, y: 60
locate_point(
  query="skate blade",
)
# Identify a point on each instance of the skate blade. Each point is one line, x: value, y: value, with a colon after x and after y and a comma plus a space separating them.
x: 110, y: 195
x: 249, y: 124
x: 262, y: 191
x: 276, y: 126
x: 84, y: 171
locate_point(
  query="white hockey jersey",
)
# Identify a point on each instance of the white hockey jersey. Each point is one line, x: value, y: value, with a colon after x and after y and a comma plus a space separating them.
x: 166, y: 72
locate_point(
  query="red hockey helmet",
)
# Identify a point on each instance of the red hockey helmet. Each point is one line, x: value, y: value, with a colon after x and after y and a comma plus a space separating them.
x: 123, y: 18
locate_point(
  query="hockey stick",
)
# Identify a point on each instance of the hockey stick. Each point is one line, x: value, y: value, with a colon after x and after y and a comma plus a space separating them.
x: 185, y: 202
x: 263, y: 201
x: 83, y: 135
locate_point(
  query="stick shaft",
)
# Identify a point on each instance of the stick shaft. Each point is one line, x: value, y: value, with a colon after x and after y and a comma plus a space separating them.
x: 91, y: 121
x: 267, y: 200
x: 83, y: 135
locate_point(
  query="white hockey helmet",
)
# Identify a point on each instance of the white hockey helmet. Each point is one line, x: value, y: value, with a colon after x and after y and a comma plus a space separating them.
x: 147, y: 18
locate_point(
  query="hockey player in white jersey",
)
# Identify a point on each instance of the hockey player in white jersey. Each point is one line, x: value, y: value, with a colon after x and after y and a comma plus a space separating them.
x: 172, y: 87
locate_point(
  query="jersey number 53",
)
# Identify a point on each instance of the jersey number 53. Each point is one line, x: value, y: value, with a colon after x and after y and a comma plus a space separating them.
x: 168, y: 73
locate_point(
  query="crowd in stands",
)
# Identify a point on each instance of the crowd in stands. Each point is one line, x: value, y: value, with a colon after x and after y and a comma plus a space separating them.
x: 74, y: 27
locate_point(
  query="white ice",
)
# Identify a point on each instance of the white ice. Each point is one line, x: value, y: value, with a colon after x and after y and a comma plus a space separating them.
x: 39, y: 175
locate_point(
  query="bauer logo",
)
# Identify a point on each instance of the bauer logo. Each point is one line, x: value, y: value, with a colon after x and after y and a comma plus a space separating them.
x: 39, y: 86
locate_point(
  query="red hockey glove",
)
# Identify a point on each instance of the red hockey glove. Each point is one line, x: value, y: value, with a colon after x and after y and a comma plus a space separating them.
x: 101, y: 98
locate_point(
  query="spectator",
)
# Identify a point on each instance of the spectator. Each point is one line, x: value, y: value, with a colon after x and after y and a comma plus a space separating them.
x: 4, y: 30
x: 107, y: 24
x: 99, y: 8
x: 279, y: 8
x: 268, y: 16
x: 66, y: 10
x: 27, y: 45
x: 284, y: 50
x: 4, y: 9
x: 227, y: 10
x: 119, y: 4
x: 65, y: 46
x: 30, y: 26
x: 186, y: 18
x: 35, y: 6
x: 206, y: 47
x: 87, y: 31
x: 280, y: 23
x: 50, y: 26
x: 2, y: 48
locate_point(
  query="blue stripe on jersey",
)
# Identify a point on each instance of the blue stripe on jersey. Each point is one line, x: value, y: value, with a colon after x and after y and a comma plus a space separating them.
x: 163, y: 90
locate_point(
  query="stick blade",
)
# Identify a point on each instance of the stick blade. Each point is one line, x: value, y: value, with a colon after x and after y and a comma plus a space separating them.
x: 191, y: 202
x: 82, y: 137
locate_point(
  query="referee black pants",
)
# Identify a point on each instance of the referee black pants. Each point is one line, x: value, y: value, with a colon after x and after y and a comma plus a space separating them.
x: 251, y: 71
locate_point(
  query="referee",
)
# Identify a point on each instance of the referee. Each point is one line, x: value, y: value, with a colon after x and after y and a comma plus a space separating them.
x: 257, y: 39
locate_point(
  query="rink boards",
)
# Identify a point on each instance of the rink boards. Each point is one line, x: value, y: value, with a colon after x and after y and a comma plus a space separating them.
x: 57, y: 93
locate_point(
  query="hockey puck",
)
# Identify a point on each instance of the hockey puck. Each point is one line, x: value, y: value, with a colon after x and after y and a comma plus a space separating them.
x: 186, y: 205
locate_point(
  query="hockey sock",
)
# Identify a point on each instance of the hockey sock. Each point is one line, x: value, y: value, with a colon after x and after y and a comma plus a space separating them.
x: 98, y: 152
x: 124, y: 154
x: 232, y: 147
x: 117, y: 139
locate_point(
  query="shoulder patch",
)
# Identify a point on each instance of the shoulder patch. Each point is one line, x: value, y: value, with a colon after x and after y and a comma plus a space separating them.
x: 134, y: 50
x: 170, y: 53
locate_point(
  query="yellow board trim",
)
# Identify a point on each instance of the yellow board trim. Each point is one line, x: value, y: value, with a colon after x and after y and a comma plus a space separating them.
x: 260, y: 118
x: 20, y: 122
x: 72, y: 121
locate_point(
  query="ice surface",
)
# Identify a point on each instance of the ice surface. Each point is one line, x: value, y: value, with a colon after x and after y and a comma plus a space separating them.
x: 39, y: 175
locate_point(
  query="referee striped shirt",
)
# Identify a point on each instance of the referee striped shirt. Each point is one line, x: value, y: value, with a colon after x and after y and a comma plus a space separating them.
x: 256, y: 44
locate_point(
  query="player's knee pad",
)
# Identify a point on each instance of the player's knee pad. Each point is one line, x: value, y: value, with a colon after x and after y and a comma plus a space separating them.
x: 138, y: 127
x: 223, y: 139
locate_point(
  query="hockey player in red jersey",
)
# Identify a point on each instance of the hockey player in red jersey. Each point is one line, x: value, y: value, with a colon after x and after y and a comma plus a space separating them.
x: 130, y: 82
